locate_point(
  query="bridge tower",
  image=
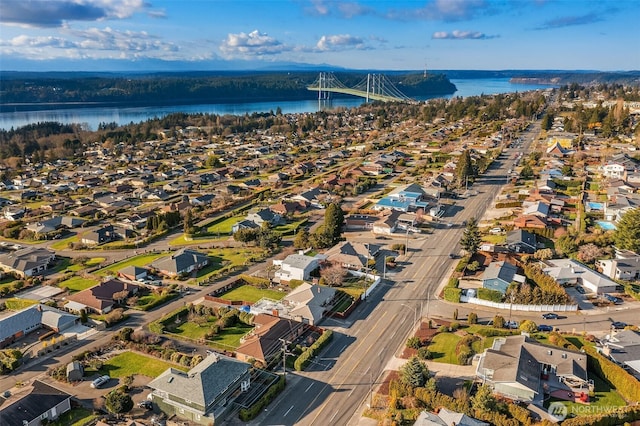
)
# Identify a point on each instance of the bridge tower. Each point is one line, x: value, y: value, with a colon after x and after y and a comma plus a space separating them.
x: 324, y: 82
x: 375, y: 84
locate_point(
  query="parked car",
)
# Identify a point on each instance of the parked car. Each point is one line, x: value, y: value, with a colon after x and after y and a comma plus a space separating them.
x: 544, y: 327
x: 612, y: 299
x: 550, y: 315
x: 146, y: 404
x: 100, y: 381
x: 618, y: 325
x: 512, y: 324
x: 453, y: 256
x: 580, y: 289
x: 496, y: 231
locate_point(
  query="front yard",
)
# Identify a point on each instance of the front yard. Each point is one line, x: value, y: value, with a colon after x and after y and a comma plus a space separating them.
x: 130, y: 363
x: 252, y: 294
x: 75, y: 284
x: 140, y: 260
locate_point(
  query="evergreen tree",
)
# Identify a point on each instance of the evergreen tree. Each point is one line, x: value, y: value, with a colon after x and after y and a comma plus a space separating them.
x: 333, y: 222
x: 627, y: 234
x: 484, y: 400
x: 188, y: 222
x: 464, y: 168
x: 547, y: 121
x: 470, y: 240
x: 302, y: 239
x: 414, y: 373
x: 118, y: 402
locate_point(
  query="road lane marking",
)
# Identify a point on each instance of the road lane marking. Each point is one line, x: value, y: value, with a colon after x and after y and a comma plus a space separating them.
x: 290, y: 408
x: 309, y: 387
x: 334, y: 416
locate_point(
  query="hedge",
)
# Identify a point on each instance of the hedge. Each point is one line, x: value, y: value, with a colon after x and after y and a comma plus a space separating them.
x: 305, y: 358
x: 248, y: 414
x: 254, y: 281
x: 622, y: 381
x: 158, y: 325
x: 452, y: 294
x: 488, y: 294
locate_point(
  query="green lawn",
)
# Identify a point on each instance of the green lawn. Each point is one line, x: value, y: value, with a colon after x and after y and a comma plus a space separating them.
x: 182, y: 241
x: 63, y: 244
x: 229, y: 338
x: 128, y: 363
x: 78, y: 416
x: 76, y: 267
x: 443, y: 348
x: 224, y: 227
x: 605, y: 398
x: 16, y: 304
x: 290, y: 228
x: 75, y: 284
x: 7, y: 281
x: 252, y: 294
x: 141, y: 260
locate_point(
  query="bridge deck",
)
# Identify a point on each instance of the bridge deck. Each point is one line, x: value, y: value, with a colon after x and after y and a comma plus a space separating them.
x: 355, y: 92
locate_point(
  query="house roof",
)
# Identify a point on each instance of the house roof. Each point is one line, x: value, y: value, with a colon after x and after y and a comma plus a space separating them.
x: 501, y: 270
x: 180, y: 261
x: 32, y: 316
x: 521, y: 236
x: 204, y: 382
x: 26, y: 258
x: 309, y: 300
x: 349, y: 253
x: 264, y: 341
x: 299, y: 261
x: 39, y: 400
x: 562, y: 269
x: 101, y: 296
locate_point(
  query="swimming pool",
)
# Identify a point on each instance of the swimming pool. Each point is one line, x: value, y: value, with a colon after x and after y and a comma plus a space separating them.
x: 595, y: 206
x: 607, y: 226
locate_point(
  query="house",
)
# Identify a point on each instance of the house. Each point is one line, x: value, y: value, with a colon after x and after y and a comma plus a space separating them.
x: 537, y: 208
x: 263, y: 343
x: 202, y: 200
x: 182, y: 262
x: 308, y: 303
x: 28, y: 261
x: 388, y: 224
x: 295, y: 267
x: 310, y: 196
x: 499, y: 275
x: 520, y: 241
x: 206, y: 393
x: 50, y: 225
x: 75, y: 371
x: 18, y: 324
x: 14, y: 212
x: 623, y: 348
x: 519, y: 368
x: 352, y: 255
x: 446, y: 417
x: 244, y: 224
x: 408, y: 198
x: 531, y: 222
x: 625, y: 267
x: 99, y: 236
x: 133, y: 273
x: 570, y: 272
x: 38, y: 404
x: 100, y: 298
x: 260, y: 216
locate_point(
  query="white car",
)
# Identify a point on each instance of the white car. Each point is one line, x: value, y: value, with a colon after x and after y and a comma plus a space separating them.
x: 496, y: 231
x: 100, y: 381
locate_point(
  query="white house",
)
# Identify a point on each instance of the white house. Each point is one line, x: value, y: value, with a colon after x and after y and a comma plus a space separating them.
x: 568, y: 271
x: 296, y: 267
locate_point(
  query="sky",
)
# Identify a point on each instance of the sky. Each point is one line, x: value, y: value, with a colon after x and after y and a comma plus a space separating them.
x: 124, y: 35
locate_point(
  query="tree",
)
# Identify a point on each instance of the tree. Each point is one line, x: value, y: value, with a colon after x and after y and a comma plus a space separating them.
x: 188, y: 223
x: 472, y: 318
x: 589, y: 253
x: 333, y: 222
x: 245, y: 235
x: 333, y: 275
x: 484, y: 400
x: 470, y: 240
x: 302, y: 239
x: 547, y: 121
x: 464, y: 168
x: 528, y: 326
x: 526, y: 172
x: 627, y: 234
x: 543, y: 254
x: 414, y: 373
x: 566, y: 244
x: 498, y: 321
x: 118, y: 402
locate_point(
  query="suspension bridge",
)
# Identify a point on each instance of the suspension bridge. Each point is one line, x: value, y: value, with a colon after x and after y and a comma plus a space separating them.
x: 375, y: 87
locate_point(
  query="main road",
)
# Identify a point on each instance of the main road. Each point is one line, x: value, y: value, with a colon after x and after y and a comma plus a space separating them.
x: 340, y: 381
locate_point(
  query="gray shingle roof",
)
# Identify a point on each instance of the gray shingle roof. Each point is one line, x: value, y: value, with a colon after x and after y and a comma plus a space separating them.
x: 204, y: 382
x: 180, y: 261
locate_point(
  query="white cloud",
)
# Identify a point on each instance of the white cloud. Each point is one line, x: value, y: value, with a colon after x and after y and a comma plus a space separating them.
x: 461, y: 35
x: 340, y: 42
x: 252, y: 44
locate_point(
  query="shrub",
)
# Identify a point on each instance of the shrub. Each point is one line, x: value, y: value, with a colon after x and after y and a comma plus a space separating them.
x: 452, y: 294
x: 414, y: 342
x: 424, y: 353
x: 303, y: 360
x: 488, y: 294
x: 622, y: 381
x: 248, y: 414
x: 498, y: 321
x: 472, y: 318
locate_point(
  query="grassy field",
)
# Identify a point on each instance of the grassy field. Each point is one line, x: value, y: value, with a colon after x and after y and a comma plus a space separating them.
x: 605, y: 398
x: 94, y: 261
x: 224, y: 227
x: 229, y: 338
x: 128, y: 363
x: 7, y: 281
x: 75, y: 284
x: 16, y: 304
x: 252, y: 294
x: 290, y: 228
x: 78, y: 416
x: 63, y: 244
x: 443, y: 348
x: 141, y: 260
x: 182, y: 241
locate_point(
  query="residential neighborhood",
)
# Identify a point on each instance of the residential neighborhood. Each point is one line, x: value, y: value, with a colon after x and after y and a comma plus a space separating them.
x: 423, y: 263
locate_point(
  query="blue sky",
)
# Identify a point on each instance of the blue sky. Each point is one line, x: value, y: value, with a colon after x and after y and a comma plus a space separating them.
x: 382, y: 34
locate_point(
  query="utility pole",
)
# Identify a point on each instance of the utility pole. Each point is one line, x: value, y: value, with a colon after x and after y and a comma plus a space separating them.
x: 284, y: 356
